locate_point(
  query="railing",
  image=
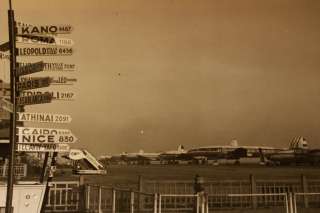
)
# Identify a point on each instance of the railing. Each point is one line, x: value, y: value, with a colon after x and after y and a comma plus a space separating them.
x: 268, y: 196
x: 20, y: 170
x: 64, y: 197
x: 105, y: 199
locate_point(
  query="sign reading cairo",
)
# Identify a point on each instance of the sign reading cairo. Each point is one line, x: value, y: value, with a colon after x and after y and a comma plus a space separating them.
x: 25, y: 69
x: 44, y: 135
x: 43, y: 117
x: 33, y: 83
x: 44, y: 51
x: 43, y: 147
x: 45, y: 29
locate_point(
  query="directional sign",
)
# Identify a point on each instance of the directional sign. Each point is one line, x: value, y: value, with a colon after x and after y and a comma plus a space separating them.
x: 62, y: 80
x: 44, y: 135
x: 43, y: 147
x: 43, y: 117
x: 45, y: 29
x: 54, y: 66
x: 45, y: 40
x: 25, y: 69
x: 34, y: 99
x: 4, y: 56
x: 5, y: 47
x: 44, y: 51
x: 56, y: 95
x: 33, y: 83
x: 6, y: 105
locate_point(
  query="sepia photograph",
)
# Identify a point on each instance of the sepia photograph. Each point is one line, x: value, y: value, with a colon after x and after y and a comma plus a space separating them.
x: 162, y: 106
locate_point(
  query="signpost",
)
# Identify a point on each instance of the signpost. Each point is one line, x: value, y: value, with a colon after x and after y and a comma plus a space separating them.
x: 33, y: 83
x: 43, y: 147
x: 43, y: 117
x: 44, y: 51
x: 31, y: 139
x: 29, y: 68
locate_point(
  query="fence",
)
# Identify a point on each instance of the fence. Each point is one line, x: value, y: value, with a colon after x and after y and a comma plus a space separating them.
x: 20, y: 170
x: 104, y: 199
x: 178, y: 196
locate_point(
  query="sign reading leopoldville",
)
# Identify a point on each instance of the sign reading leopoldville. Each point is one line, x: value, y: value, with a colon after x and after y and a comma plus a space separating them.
x: 44, y: 135
x: 43, y: 147
x: 35, y: 99
x: 25, y: 69
x: 43, y: 117
x: 44, y: 51
x: 33, y: 83
x: 44, y: 29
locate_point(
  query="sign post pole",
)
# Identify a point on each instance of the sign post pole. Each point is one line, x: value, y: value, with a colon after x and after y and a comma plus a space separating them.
x: 12, y: 42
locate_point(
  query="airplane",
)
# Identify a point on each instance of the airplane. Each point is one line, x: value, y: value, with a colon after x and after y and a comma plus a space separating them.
x: 297, y: 153
x: 174, y: 156
x: 228, y: 152
x: 141, y: 158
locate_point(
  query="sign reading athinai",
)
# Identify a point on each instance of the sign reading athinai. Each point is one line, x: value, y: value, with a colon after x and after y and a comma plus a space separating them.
x: 43, y: 117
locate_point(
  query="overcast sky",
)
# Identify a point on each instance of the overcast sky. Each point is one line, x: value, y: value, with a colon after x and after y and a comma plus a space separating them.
x: 156, y: 74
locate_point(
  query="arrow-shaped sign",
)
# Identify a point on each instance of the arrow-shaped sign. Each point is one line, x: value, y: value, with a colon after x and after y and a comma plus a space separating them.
x: 51, y: 41
x: 33, y: 83
x: 35, y: 99
x: 44, y: 29
x: 44, y: 51
x: 6, y: 105
x: 56, y: 95
x: 43, y: 147
x: 29, y: 68
x: 5, y: 47
x: 43, y: 117
x: 44, y: 135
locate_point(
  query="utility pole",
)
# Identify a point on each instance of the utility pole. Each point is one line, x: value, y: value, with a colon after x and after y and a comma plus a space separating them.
x: 13, y: 119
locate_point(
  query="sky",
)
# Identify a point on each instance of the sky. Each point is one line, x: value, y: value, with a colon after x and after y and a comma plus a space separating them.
x: 156, y: 74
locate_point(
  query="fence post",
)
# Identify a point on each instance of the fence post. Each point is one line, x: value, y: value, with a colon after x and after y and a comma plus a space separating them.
x: 140, y: 189
x: 304, y: 186
x: 290, y: 202
x: 25, y: 168
x: 99, y: 199
x: 253, y: 190
x: 131, y: 202
x: 113, y: 200
x: 197, y: 205
x: 160, y: 203
x: 87, y: 198
x: 155, y: 203
x: 81, y: 194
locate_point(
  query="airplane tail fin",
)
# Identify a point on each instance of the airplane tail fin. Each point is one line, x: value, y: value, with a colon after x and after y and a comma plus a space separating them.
x: 181, y: 148
x: 262, y: 157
